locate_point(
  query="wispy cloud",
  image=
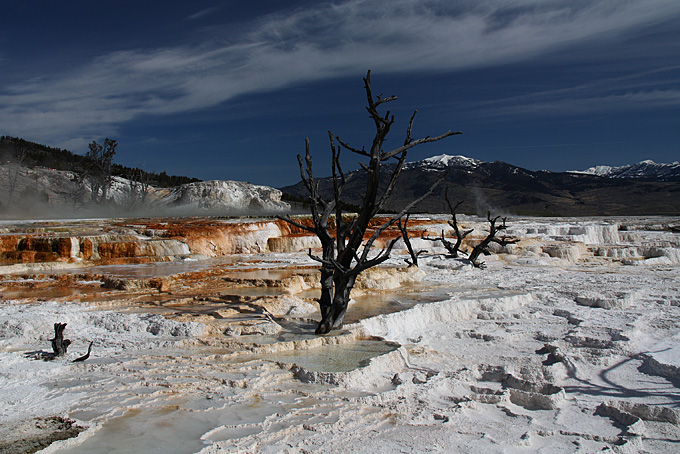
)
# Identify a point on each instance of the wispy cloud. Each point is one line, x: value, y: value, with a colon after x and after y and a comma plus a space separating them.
x: 326, y: 41
x: 652, y: 99
x: 203, y: 13
x: 635, y: 91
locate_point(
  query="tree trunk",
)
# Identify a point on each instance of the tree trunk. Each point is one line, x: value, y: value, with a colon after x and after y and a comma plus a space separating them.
x: 326, y: 299
x: 479, y: 249
x: 407, y: 241
x: 334, y: 316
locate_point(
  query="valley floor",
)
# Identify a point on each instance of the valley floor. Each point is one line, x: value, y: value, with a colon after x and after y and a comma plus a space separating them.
x: 567, y: 342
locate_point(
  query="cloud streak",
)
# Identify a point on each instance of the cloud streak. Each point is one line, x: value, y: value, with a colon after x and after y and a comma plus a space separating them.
x: 639, y: 100
x: 203, y: 13
x: 637, y: 91
x: 327, y: 41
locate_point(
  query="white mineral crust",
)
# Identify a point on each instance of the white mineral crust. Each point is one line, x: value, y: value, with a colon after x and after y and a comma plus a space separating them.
x: 559, y: 345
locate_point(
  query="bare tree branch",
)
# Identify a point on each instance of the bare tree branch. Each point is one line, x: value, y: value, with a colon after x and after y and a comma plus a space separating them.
x: 295, y: 223
x: 387, y: 155
x: 397, y: 216
x: 362, y: 152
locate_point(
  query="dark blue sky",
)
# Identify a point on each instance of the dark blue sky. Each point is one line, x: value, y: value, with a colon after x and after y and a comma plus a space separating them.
x: 230, y: 90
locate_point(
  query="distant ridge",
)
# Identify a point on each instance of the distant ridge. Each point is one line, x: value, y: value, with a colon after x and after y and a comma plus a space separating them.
x: 646, y: 188
x: 444, y: 160
x: 643, y: 170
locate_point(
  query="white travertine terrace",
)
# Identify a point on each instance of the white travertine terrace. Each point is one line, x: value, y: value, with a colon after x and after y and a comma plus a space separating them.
x: 567, y: 341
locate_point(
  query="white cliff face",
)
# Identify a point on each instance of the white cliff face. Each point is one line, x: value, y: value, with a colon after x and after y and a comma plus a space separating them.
x: 54, y: 193
x: 224, y: 195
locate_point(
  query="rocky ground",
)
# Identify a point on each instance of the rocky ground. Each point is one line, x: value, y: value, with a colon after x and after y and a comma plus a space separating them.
x: 566, y: 342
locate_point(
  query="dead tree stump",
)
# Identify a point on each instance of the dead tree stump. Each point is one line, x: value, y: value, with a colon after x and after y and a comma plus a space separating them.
x: 59, y: 344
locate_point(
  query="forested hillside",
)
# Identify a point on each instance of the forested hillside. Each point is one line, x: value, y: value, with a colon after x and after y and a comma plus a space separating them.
x: 30, y: 154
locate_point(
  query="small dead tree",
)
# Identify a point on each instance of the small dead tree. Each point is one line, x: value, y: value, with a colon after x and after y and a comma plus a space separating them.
x: 460, y: 235
x: 482, y: 247
x: 78, y: 190
x: 403, y: 228
x: 345, y: 253
x: 60, y: 345
x: 99, y: 168
x: 453, y: 248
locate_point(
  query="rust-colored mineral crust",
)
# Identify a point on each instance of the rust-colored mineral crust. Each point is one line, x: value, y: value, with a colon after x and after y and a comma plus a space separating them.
x: 146, y: 240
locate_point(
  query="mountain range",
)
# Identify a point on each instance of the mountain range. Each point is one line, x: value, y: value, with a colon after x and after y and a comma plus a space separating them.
x: 37, y: 180
x: 644, y: 170
x: 645, y: 188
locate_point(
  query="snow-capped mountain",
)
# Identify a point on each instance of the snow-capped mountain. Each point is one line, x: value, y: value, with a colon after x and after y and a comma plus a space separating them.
x: 444, y: 160
x: 499, y: 187
x: 644, y: 170
x: 647, y: 170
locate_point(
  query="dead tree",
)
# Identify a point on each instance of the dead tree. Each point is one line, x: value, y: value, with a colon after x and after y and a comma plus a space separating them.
x: 407, y: 241
x: 99, y: 169
x: 460, y: 236
x: 138, y: 188
x: 78, y: 190
x: 450, y: 247
x: 59, y: 347
x: 453, y: 248
x: 59, y: 344
x: 346, y: 255
x: 482, y: 247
